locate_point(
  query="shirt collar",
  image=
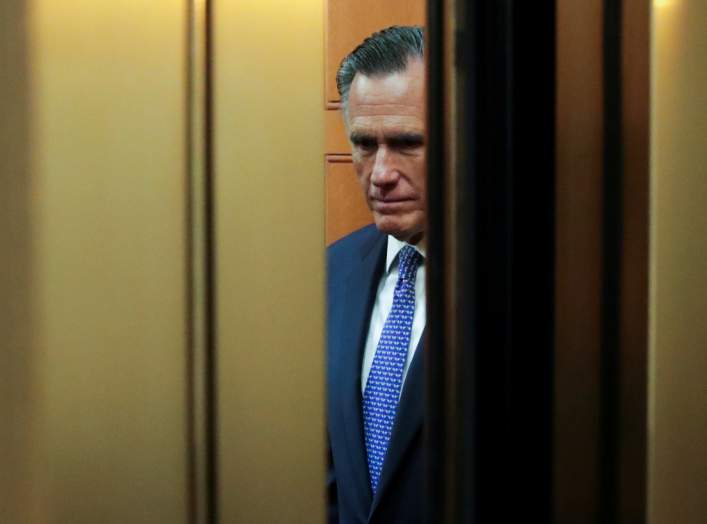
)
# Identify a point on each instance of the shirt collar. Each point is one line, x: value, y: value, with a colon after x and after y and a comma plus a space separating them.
x: 394, y: 247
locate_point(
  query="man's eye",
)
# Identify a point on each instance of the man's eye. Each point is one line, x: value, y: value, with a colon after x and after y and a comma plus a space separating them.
x: 408, y: 143
x: 366, y: 145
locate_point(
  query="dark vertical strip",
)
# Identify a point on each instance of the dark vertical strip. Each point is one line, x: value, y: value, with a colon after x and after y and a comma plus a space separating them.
x: 474, y: 151
x: 481, y: 204
x: 484, y: 254
x: 633, y: 387
x: 435, y: 435
x: 490, y: 289
x: 470, y: 430
x: 201, y: 365
x: 531, y: 360
x: 612, y: 233
x: 210, y: 255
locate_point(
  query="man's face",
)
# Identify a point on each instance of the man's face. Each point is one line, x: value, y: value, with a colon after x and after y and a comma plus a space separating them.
x: 386, y: 124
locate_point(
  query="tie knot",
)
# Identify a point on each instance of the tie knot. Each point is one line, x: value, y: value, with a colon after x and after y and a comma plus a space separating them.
x: 409, y: 260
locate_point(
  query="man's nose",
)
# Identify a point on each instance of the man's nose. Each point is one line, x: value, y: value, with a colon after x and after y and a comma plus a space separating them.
x: 385, y: 171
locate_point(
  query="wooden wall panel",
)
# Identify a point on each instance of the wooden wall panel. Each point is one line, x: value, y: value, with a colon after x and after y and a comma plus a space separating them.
x: 344, y: 213
x: 348, y: 22
x: 336, y: 140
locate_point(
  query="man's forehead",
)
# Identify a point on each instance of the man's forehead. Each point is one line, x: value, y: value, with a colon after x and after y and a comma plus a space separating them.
x: 385, y: 111
x: 383, y: 123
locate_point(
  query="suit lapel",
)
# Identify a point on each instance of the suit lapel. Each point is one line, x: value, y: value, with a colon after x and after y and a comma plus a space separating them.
x: 408, y: 421
x: 359, y: 296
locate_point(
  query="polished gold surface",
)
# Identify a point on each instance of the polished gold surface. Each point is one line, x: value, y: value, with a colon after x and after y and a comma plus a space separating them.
x: 269, y: 168
x: 678, y: 387
x: 93, y: 239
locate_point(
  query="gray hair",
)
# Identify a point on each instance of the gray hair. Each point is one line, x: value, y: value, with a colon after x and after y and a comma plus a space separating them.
x: 385, y: 52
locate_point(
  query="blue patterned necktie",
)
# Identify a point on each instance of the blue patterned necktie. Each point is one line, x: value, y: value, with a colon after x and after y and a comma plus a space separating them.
x: 380, y: 398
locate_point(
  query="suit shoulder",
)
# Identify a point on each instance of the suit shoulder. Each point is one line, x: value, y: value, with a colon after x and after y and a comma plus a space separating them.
x: 353, y: 244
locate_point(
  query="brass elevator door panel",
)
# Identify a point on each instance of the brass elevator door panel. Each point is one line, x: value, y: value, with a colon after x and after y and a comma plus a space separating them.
x: 92, y: 230
x: 678, y: 389
x: 269, y: 201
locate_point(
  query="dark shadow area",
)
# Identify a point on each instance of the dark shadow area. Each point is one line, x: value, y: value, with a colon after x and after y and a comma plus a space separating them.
x: 491, y: 305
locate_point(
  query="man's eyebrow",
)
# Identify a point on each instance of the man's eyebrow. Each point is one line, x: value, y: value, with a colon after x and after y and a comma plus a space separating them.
x: 360, y: 137
x: 394, y: 139
x: 405, y: 139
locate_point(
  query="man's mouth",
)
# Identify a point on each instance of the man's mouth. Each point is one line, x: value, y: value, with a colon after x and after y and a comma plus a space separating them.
x: 389, y: 205
x: 390, y: 200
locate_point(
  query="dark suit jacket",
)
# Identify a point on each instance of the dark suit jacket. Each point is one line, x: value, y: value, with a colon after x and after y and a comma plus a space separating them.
x: 355, y: 265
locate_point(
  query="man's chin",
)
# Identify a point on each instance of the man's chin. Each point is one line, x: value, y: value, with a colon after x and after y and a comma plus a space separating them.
x: 392, y: 226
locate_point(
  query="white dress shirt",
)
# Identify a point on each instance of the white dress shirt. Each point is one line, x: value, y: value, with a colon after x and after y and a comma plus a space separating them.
x: 384, y: 303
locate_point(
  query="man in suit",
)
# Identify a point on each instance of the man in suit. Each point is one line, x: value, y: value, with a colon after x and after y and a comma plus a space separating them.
x: 376, y: 294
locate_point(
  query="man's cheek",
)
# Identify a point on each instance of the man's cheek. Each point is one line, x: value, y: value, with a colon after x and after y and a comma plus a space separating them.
x: 363, y: 180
